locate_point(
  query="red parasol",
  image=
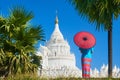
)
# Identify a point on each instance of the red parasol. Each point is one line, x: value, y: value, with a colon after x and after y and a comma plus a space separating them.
x: 84, y: 40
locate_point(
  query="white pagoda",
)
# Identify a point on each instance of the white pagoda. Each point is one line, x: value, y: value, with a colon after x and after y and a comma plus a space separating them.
x: 57, y: 60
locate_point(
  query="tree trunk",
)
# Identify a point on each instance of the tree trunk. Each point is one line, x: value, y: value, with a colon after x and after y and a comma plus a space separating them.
x: 110, y: 52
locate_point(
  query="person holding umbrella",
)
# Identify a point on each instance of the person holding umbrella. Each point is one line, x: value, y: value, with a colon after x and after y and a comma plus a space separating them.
x: 86, y: 42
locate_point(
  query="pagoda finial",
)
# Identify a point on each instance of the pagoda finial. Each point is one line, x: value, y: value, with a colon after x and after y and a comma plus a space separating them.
x: 56, y: 20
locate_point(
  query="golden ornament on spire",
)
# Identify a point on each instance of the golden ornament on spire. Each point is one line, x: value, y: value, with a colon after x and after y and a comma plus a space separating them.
x: 56, y: 20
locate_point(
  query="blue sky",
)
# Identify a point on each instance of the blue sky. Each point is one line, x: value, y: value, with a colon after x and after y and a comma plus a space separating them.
x: 69, y: 23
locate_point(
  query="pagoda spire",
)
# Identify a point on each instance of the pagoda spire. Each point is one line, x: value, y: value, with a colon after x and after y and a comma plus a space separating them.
x: 56, y: 20
x: 56, y: 35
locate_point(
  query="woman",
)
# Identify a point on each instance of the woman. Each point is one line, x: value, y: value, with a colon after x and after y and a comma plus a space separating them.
x: 86, y: 60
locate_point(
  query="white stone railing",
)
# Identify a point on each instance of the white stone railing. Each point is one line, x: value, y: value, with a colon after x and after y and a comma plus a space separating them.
x: 67, y: 72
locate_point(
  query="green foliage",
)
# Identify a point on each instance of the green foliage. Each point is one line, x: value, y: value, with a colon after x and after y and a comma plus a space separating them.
x: 36, y: 60
x: 100, y: 12
x: 19, y: 16
x: 17, y: 43
x: 22, y: 77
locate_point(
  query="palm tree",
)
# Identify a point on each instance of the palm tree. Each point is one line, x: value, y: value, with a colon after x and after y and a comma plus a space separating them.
x: 2, y: 53
x: 18, y: 41
x: 102, y: 13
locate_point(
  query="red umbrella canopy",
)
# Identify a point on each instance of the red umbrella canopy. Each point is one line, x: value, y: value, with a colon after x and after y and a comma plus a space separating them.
x: 84, y: 40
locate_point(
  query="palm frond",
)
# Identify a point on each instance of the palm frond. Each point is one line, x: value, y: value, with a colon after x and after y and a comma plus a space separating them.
x: 98, y: 11
x: 17, y: 41
x: 19, y: 16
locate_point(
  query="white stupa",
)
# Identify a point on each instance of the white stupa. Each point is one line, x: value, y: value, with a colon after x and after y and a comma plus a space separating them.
x: 57, y: 60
